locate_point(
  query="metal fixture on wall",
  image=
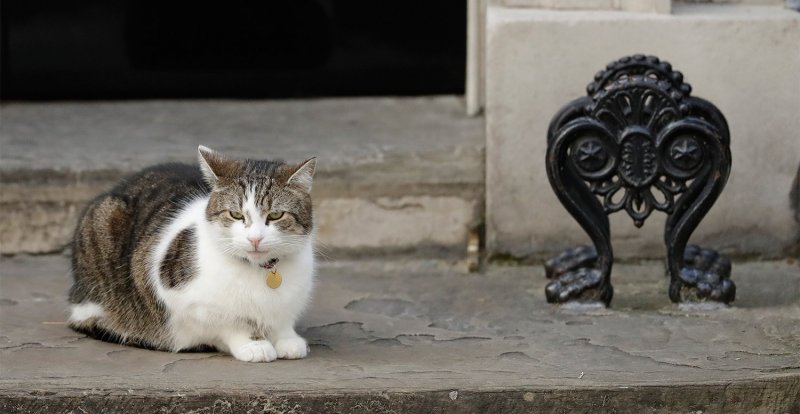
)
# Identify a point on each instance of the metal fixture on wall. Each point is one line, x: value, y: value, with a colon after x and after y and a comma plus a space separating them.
x: 638, y: 142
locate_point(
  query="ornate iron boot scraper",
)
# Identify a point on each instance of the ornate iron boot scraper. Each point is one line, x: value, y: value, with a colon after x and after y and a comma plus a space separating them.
x: 638, y: 142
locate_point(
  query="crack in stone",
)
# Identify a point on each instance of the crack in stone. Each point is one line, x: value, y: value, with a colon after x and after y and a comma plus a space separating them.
x: 387, y: 342
x: 320, y: 346
x: 416, y: 336
x: 427, y: 338
x: 465, y: 339
x: 337, y: 331
x: 34, y: 345
x: 645, y: 357
x: 116, y: 351
x: 759, y: 353
x: 22, y: 345
x: 403, y: 206
x: 76, y: 339
x: 573, y: 322
x: 452, y: 324
x: 780, y: 369
x: 340, y: 323
x: 169, y: 366
x: 517, y: 355
x: 412, y: 372
x: 497, y: 371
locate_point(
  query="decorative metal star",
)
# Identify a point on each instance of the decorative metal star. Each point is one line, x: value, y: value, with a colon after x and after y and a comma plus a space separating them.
x: 685, y: 149
x: 590, y: 151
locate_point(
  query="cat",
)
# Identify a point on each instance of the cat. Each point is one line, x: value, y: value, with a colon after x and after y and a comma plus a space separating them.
x: 181, y: 257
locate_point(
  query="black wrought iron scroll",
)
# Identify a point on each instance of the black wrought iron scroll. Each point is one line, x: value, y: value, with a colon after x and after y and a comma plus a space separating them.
x: 638, y: 142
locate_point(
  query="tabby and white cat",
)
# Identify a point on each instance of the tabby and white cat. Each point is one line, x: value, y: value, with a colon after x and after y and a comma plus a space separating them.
x: 179, y: 258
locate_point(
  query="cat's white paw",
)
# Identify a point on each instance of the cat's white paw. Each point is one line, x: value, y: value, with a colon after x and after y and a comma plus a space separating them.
x: 292, y: 348
x: 256, y: 351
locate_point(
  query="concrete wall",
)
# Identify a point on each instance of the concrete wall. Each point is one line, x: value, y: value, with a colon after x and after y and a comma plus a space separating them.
x: 745, y: 59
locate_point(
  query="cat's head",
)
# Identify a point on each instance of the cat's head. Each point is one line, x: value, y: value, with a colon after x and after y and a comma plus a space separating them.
x: 259, y: 209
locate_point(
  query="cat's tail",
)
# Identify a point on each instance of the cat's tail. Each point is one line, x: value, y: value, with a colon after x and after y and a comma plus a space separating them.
x: 85, y: 315
x: 86, y: 318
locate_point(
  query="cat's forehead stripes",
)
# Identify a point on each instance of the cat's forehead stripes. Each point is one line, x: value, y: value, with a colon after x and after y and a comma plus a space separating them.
x: 261, y: 190
x: 263, y: 199
x: 251, y: 209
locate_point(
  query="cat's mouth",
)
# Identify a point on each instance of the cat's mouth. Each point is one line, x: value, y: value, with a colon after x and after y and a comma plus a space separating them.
x: 257, y: 252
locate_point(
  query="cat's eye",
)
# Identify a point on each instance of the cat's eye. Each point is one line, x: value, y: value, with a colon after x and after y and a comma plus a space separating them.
x: 274, y: 215
x: 236, y: 215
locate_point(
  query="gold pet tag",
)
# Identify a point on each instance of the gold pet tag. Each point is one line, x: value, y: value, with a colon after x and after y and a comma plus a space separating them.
x: 274, y: 279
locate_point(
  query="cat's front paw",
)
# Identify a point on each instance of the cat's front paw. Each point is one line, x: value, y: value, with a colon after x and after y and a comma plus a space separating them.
x: 292, y: 348
x: 256, y: 351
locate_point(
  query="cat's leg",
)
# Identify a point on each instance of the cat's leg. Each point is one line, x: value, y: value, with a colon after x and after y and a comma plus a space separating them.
x: 242, y: 347
x: 288, y: 343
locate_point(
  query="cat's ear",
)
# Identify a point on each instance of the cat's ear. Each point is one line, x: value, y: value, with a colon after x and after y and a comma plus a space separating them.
x: 212, y: 164
x: 303, y: 175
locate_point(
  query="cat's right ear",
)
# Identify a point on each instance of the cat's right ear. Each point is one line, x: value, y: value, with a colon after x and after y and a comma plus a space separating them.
x: 212, y: 164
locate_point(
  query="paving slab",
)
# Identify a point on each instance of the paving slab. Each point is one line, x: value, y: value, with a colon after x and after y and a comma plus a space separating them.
x: 423, y: 336
x: 382, y: 162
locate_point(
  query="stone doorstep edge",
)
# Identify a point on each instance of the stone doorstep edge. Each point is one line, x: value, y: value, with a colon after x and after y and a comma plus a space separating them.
x: 780, y: 394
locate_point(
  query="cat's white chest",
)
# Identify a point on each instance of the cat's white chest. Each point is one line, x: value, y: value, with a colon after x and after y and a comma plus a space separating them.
x: 228, y: 294
x: 233, y: 292
x: 234, y: 295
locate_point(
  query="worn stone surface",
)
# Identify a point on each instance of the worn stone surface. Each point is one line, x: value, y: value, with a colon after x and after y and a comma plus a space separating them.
x: 437, y: 221
x: 372, y: 153
x: 744, y: 59
x: 422, y: 336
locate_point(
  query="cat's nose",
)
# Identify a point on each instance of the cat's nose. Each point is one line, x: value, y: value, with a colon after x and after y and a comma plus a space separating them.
x: 255, y: 240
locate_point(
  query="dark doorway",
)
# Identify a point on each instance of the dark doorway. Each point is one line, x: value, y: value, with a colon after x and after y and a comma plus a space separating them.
x: 116, y: 49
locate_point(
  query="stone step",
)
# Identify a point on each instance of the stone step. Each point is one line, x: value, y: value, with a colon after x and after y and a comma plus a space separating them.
x: 394, y: 174
x: 422, y: 336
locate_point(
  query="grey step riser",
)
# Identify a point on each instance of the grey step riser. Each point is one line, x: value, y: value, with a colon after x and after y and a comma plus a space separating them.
x: 41, y: 208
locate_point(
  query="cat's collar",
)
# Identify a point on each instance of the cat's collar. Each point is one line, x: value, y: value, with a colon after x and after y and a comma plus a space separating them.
x: 274, y: 278
x: 269, y: 264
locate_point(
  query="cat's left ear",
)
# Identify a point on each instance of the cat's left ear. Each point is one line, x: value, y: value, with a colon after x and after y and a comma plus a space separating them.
x: 303, y: 175
x: 213, y: 165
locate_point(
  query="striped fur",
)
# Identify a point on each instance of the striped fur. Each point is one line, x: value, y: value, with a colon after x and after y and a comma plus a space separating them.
x: 169, y: 258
